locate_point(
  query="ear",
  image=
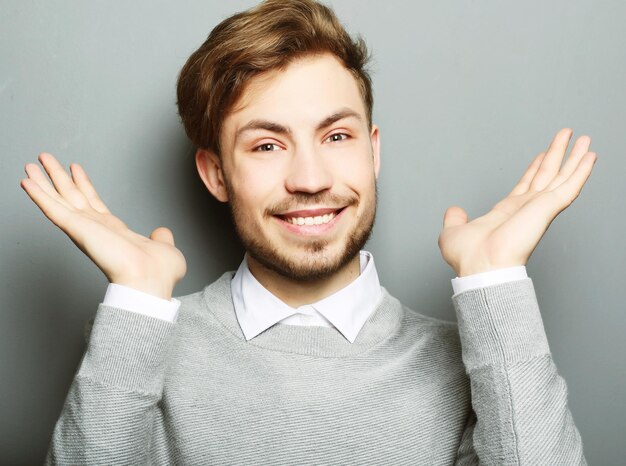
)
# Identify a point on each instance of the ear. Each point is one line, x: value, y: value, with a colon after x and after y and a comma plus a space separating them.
x: 209, y: 168
x: 375, y: 141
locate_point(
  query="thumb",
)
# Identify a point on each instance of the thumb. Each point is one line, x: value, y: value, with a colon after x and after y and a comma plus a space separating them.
x: 163, y: 235
x: 454, y: 217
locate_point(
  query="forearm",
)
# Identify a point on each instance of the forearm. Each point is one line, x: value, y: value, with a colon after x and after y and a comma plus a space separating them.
x: 107, y: 416
x: 517, y: 394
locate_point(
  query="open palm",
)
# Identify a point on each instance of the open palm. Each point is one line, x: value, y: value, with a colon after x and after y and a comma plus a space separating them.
x: 508, y: 234
x: 153, y: 265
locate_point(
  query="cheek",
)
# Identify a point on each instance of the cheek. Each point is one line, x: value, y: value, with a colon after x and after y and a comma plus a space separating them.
x: 356, y: 169
x: 256, y: 185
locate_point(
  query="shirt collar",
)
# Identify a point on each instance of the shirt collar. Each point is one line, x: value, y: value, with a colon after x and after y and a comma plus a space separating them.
x: 257, y: 309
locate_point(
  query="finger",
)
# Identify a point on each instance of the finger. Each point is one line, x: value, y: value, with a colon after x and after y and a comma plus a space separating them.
x: 163, y: 235
x: 36, y: 175
x: 51, y: 208
x: 569, y: 190
x: 83, y: 183
x: 62, y: 181
x: 552, y: 161
x: 581, y: 147
x: 524, y: 183
x: 454, y: 216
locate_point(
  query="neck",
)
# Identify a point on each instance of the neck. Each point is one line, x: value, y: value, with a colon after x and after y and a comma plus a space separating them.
x: 297, y: 293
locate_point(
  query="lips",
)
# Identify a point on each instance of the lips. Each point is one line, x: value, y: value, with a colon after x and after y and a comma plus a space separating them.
x: 313, y: 219
x: 310, y: 216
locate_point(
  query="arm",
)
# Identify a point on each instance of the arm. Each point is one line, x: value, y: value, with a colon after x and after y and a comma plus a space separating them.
x: 122, y: 372
x: 107, y: 415
x: 519, y: 400
x: 518, y: 396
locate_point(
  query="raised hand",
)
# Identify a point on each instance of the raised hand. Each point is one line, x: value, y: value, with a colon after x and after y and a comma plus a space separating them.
x: 152, y: 265
x: 509, y: 233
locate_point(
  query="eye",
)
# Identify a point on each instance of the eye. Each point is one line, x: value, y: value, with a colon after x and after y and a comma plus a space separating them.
x: 267, y: 147
x: 337, y: 137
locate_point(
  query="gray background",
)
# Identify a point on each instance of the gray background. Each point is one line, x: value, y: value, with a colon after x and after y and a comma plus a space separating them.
x: 466, y: 93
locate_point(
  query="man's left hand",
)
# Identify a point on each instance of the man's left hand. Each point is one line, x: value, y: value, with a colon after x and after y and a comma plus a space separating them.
x: 509, y: 233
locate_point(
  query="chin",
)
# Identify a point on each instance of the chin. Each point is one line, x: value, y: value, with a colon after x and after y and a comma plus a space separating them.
x: 307, y: 259
x: 312, y: 262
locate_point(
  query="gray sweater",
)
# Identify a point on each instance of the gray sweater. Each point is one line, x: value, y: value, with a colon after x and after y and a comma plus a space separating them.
x: 410, y: 390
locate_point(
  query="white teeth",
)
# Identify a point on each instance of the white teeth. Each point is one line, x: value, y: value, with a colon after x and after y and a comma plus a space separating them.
x: 319, y: 220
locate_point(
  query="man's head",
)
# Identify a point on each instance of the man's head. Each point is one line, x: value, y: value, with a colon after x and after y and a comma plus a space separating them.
x: 266, y: 37
x: 279, y: 103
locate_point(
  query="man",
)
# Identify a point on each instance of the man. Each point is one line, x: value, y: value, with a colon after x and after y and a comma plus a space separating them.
x: 300, y: 356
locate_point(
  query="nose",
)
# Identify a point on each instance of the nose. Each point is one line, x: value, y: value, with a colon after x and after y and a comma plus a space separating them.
x: 309, y: 172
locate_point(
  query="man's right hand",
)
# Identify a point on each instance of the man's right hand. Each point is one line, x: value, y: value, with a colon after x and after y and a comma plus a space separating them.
x: 152, y: 265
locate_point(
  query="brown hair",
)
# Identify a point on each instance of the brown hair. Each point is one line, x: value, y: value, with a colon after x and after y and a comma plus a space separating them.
x: 266, y: 37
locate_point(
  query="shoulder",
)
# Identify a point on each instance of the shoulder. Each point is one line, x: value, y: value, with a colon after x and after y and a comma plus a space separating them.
x: 200, y: 308
x: 436, y: 337
x: 420, y: 323
x: 443, y: 331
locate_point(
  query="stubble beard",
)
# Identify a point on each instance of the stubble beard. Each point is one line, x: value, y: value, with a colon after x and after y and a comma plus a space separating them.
x: 316, y: 265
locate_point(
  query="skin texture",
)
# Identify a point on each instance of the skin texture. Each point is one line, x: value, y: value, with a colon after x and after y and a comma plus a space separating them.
x: 267, y: 172
x: 508, y: 234
x: 149, y: 264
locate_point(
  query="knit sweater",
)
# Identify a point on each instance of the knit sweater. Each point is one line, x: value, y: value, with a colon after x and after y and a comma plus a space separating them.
x: 411, y: 389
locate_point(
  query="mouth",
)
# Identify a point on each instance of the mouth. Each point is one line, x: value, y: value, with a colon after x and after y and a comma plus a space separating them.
x: 311, y: 221
x: 311, y: 216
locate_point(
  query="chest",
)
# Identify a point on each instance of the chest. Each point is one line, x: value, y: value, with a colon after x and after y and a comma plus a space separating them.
x: 241, y: 408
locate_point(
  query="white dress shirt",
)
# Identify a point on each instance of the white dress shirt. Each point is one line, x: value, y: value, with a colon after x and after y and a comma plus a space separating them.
x: 258, y: 309
x: 347, y: 309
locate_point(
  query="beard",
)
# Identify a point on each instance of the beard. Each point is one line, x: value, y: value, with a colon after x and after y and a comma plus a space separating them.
x: 317, y: 262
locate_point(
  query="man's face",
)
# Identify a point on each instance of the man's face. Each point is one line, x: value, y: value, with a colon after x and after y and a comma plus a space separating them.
x: 299, y: 168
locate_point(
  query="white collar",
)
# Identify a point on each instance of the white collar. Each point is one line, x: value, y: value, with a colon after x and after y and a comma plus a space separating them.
x: 347, y: 310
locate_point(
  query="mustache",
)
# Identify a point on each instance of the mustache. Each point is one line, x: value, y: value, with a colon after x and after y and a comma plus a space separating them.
x: 300, y: 201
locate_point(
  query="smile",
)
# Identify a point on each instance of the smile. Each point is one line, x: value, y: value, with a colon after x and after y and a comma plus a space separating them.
x: 319, y: 220
x: 310, y: 221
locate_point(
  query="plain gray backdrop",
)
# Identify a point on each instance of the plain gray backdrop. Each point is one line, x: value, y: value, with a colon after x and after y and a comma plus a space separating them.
x: 466, y: 94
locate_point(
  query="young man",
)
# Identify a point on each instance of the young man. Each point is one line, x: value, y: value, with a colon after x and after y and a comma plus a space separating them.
x: 300, y: 356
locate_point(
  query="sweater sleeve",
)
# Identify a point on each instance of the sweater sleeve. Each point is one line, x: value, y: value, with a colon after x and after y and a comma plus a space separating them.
x: 520, y: 414
x: 108, y: 412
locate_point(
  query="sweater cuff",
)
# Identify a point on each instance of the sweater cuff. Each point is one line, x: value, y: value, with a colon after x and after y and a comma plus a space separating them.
x: 500, y: 324
x: 127, y: 350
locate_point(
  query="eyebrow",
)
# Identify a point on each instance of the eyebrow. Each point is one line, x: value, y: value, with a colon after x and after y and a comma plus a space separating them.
x: 281, y: 129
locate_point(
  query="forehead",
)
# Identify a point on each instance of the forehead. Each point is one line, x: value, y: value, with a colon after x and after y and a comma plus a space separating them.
x: 307, y: 90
